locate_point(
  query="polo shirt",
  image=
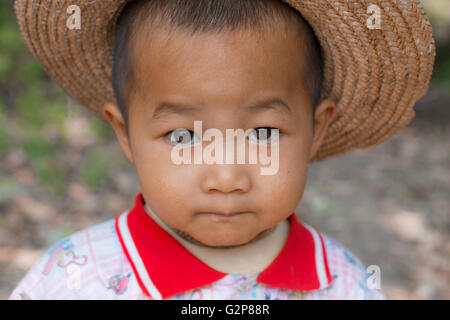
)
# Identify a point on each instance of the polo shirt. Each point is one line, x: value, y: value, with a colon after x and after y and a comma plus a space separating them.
x: 133, y: 257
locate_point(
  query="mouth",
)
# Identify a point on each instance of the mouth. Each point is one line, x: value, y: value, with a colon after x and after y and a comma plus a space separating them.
x: 225, y: 214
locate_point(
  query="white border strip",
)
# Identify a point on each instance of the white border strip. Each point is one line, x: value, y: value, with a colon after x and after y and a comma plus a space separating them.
x: 137, y: 260
x: 318, y: 252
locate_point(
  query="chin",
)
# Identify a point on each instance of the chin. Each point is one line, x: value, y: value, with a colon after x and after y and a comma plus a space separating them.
x: 226, y: 242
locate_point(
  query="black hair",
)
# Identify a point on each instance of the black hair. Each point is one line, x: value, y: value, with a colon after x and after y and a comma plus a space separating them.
x: 202, y: 16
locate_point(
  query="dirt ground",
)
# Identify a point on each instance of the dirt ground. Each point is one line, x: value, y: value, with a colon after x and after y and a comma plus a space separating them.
x: 388, y: 204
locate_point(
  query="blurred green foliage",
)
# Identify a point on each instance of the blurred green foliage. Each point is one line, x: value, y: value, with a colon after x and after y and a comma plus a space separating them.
x: 3, y: 136
x: 52, y: 172
x: 441, y: 75
x: 95, y: 169
x: 438, y: 12
x: 8, y: 187
x: 102, y: 129
x: 30, y: 103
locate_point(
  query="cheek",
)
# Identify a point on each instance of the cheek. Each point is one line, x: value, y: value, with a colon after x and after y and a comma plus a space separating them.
x: 165, y: 186
x: 283, y: 191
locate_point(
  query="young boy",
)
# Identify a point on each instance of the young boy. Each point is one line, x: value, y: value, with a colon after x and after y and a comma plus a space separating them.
x: 219, y: 230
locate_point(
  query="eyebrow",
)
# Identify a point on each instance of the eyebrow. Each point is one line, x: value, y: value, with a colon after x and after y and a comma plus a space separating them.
x: 167, y: 108
x: 270, y: 104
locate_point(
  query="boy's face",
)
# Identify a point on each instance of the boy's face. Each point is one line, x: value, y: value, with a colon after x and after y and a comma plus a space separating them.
x: 220, y: 74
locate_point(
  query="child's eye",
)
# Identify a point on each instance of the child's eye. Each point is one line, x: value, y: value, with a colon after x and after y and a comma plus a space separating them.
x: 182, y: 137
x: 263, y: 135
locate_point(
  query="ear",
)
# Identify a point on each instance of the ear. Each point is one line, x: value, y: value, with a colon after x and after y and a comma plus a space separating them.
x: 112, y: 114
x: 325, y: 113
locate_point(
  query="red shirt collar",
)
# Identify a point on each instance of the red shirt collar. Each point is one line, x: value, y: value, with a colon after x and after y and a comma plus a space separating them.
x: 163, y: 267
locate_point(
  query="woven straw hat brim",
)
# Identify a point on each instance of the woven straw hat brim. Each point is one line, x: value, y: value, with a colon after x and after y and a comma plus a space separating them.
x: 374, y: 75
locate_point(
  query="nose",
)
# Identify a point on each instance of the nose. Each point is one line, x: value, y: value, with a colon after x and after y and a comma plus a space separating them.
x: 226, y: 178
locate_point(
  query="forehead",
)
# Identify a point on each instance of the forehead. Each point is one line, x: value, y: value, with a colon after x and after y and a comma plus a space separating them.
x: 228, y: 67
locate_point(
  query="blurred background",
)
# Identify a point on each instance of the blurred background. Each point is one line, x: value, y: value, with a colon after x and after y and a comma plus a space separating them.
x: 61, y: 170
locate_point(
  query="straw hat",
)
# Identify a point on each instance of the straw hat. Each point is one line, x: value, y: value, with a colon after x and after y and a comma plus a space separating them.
x: 374, y: 75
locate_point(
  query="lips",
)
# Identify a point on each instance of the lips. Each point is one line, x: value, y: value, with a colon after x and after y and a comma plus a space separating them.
x: 225, y: 214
